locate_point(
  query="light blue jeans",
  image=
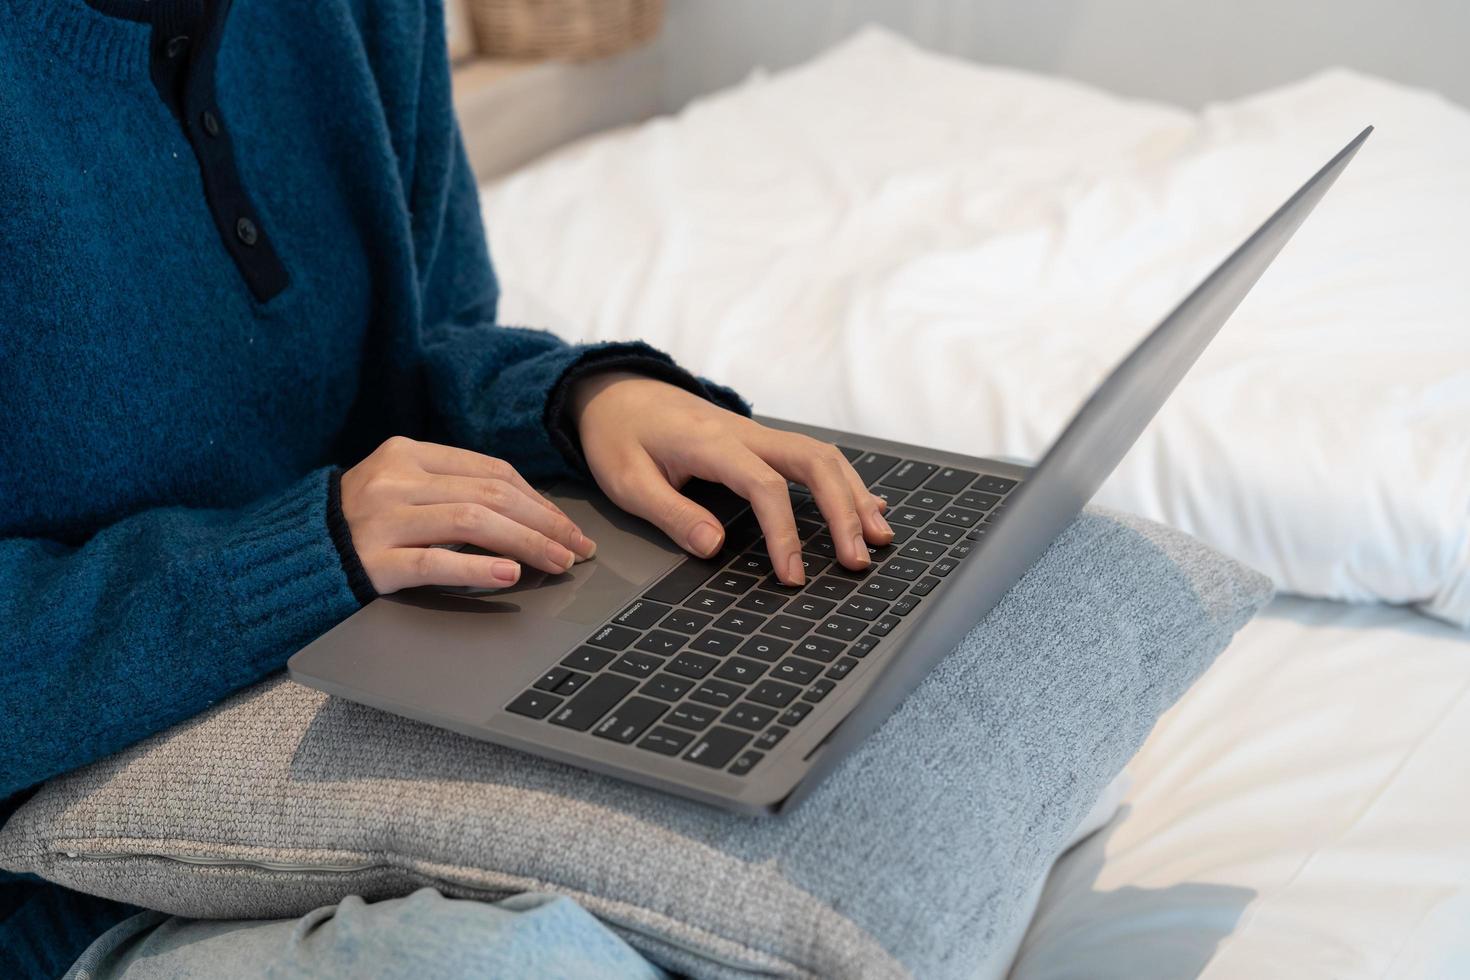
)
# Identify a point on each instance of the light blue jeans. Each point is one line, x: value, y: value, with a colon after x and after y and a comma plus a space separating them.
x: 422, y: 935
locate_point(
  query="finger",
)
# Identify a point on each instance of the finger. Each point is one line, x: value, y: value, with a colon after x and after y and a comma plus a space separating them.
x: 452, y: 461
x: 740, y: 469
x: 404, y: 568
x: 504, y: 498
x: 641, y: 488
x: 822, y: 468
x: 462, y: 523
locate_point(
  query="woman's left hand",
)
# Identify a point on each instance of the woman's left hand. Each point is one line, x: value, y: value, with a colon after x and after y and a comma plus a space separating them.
x: 643, y: 439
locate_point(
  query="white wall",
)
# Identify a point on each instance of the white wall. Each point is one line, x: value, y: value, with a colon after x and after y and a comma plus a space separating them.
x: 1183, y: 51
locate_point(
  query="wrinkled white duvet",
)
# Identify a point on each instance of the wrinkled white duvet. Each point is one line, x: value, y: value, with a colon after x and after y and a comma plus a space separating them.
x: 921, y: 248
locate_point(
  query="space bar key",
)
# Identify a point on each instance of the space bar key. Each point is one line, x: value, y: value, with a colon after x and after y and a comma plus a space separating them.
x: 676, y: 586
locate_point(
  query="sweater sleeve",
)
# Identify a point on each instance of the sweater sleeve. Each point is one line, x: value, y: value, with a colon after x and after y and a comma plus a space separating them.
x: 155, y: 618
x: 495, y: 389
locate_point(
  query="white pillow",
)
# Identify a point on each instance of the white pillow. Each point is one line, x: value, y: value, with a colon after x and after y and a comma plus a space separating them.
x: 917, y: 247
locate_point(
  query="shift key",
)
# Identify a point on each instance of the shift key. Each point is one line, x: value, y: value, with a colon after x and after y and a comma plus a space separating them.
x: 594, y: 701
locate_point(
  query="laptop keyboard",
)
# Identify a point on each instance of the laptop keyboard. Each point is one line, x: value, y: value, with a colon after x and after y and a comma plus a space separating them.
x: 718, y: 661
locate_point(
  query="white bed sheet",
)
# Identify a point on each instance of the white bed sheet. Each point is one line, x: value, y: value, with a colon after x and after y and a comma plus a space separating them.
x: 1304, y: 811
x: 892, y: 242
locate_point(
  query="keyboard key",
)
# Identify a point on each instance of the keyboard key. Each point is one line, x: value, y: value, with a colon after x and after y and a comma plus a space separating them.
x: 921, y: 550
x: 818, y: 691
x: 950, y: 480
x: 924, y: 585
x: 715, y: 642
x: 872, y: 466
x: 849, y: 452
x: 865, y: 609
x: 794, y: 714
x: 636, y: 664
x: 692, y: 665
x: 810, y: 607
x: 927, y: 499
x: 717, y: 747
x: 994, y: 484
x: 911, y: 516
x: 740, y: 621
x: 879, y: 553
x: 903, y: 568
x: 772, y: 584
x: 771, y: 737
x: 695, y: 717
x: 588, y: 658
x: 752, y: 564
x: 828, y: 587
x: 863, y: 645
x: 905, y: 605
x: 788, y: 627
x: 666, y: 741
x: 889, y: 494
x: 747, y: 715
x: 762, y: 601
x: 595, y: 700
x: 740, y: 670
x: 661, y: 642
x: 879, y: 587
x: 796, y: 670
x: 710, y: 602
x: 534, y: 704
x: 941, y: 533
x: 961, y: 550
x: 901, y: 533
x: 976, y: 500
x: 573, y: 683
x: 841, y: 628
x: 819, y: 648
x: 841, y: 668
x: 685, y: 621
x: 944, y: 566
x: 666, y: 687
x: 721, y: 694
x: 960, y: 517
x: 732, y: 582
x: 805, y: 529
x: 774, y: 693
x: 676, y: 586
x: 629, y: 720
x: 747, y: 761
x: 885, y: 625
x: 641, y: 614
x: 613, y: 637
x: 764, y: 648
x: 822, y: 547
x: 551, y: 678
x: 853, y: 573
x: 909, y: 474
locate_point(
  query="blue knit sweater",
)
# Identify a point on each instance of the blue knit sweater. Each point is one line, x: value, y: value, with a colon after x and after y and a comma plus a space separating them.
x: 240, y: 245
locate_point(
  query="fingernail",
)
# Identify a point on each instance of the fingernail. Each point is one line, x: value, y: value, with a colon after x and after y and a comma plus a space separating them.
x: 705, y: 539
x: 883, y: 525
x: 584, y: 546
x: 796, y: 571
x: 861, y: 545
x: 559, y: 556
x: 507, y: 572
x: 882, y: 504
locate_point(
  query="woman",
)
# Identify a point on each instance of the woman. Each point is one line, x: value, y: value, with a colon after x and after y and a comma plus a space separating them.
x: 240, y: 251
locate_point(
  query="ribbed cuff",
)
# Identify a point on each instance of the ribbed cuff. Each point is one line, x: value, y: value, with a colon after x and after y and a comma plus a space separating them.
x: 636, y: 357
x: 357, y: 577
x: 284, y: 571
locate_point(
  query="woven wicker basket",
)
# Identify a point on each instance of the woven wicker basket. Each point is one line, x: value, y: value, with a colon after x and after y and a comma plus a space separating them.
x: 570, y: 29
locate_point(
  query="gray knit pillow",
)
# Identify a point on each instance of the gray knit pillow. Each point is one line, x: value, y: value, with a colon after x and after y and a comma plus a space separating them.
x: 910, y: 861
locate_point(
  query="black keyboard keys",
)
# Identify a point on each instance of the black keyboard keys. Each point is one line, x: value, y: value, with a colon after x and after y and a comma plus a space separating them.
x: 885, y: 625
x: 761, y: 601
x: 721, y: 694
x: 661, y: 642
x: 910, y: 516
x: 903, y: 568
x: 770, y: 738
x: 739, y: 621
x: 830, y: 588
x: 534, y: 704
x: 960, y: 517
x: 695, y: 717
x: 924, y: 585
x: 882, y: 588
x: 740, y: 670
x: 794, y: 714
x: 818, y: 691
x: 819, y: 648
x: 921, y: 550
x: 941, y: 533
x: 666, y: 741
x: 692, y: 665
x: 613, y: 637
x: 949, y: 480
x: 641, y: 614
x: 841, y: 668
x: 732, y: 582
x: 977, y: 500
x: 629, y: 720
x: 752, y: 564
x: 909, y: 474
x: 749, y: 716
x: 666, y: 687
x: 788, y: 627
x: 775, y: 694
x: 715, y: 642
x: 636, y: 664
x: 810, y: 607
x: 872, y: 466
x: 710, y: 602
x: 717, y: 747
x: 841, y: 628
x: 995, y: 484
x: 927, y: 499
x: 588, y: 658
x: 595, y: 700
x: 676, y: 586
x: 796, y: 670
x: 866, y: 609
x: 685, y: 621
x: 764, y: 648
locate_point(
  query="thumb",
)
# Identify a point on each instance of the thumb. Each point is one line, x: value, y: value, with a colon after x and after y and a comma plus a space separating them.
x: 646, y: 492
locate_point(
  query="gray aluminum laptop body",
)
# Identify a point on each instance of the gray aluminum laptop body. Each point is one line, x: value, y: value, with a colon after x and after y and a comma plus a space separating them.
x: 456, y: 661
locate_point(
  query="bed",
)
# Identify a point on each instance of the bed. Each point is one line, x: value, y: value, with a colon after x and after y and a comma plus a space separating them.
x: 931, y: 250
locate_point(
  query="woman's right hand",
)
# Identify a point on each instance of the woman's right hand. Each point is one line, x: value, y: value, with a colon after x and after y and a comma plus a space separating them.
x: 409, y: 495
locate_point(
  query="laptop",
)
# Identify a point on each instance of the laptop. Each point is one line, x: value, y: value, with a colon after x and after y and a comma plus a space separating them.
x: 708, y: 678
